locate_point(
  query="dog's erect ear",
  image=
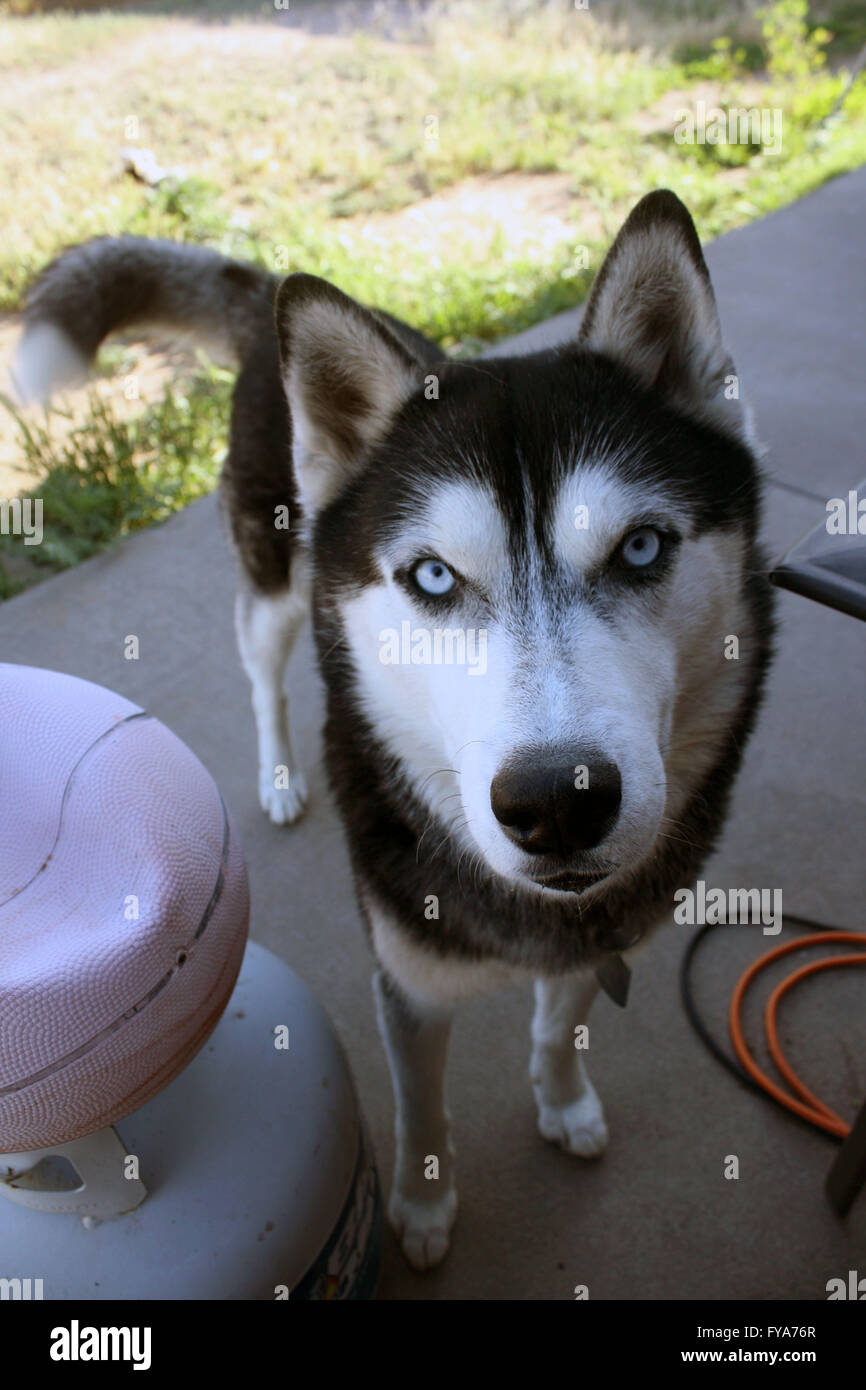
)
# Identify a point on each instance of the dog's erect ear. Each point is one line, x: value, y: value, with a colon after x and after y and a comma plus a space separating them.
x: 652, y: 308
x: 345, y: 375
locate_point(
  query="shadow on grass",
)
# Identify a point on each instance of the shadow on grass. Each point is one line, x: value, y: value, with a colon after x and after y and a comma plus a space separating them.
x: 313, y: 16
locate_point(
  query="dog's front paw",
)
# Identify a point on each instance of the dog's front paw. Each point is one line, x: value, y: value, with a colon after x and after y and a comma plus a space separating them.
x: 579, y: 1128
x: 423, y: 1228
x: 282, y: 804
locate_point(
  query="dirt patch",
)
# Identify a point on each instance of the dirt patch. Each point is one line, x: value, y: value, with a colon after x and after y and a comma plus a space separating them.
x: 517, y: 210
x: 663, y: 116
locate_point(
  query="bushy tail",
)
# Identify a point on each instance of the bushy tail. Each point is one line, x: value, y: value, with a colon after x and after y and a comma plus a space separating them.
x: 114, y: 283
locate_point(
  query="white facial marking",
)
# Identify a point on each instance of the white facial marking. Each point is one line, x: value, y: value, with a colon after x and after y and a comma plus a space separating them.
x: 636, y: 684
x: 462, y: 526
x: 595, y: 508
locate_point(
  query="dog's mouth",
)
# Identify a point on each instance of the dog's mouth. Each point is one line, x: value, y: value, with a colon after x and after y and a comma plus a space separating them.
x: 570, y: 882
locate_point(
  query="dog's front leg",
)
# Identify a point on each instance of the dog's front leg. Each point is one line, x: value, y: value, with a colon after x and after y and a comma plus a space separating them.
x: 267, y: 626
x: 423, y: 1201
x: 569, y: 1111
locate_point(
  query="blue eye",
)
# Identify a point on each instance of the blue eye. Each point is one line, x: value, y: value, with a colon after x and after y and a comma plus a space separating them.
x: 433, y: 577
x: 641, y: 548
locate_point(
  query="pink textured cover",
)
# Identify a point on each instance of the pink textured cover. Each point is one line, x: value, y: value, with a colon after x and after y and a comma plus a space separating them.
x: 104, y: 814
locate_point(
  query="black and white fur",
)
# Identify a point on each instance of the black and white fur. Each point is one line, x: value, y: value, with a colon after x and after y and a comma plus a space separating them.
x: 456, y: 790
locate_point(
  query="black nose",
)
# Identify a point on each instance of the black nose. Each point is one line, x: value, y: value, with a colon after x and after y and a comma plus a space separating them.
x: 548, y: 804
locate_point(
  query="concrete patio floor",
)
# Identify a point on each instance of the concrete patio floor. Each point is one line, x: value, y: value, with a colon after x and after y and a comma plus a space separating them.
x: 655, y: 1218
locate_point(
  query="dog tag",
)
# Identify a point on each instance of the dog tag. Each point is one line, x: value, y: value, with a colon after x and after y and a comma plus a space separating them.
x: 614, y: 976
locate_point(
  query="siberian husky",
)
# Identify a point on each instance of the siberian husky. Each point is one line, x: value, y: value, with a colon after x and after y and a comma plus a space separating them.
x: 526, y: 574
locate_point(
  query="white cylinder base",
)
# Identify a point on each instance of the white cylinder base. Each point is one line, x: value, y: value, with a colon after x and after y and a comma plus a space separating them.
x: 259, y: 1176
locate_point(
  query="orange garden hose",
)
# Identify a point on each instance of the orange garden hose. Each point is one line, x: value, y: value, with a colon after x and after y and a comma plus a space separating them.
x: 809, y: 1106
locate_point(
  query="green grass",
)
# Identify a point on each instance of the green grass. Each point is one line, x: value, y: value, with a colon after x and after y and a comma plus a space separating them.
x: 287, y: 143
x: 113, y: 474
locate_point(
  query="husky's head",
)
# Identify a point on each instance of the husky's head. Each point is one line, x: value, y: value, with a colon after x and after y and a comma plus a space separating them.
x: 534, y: 567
